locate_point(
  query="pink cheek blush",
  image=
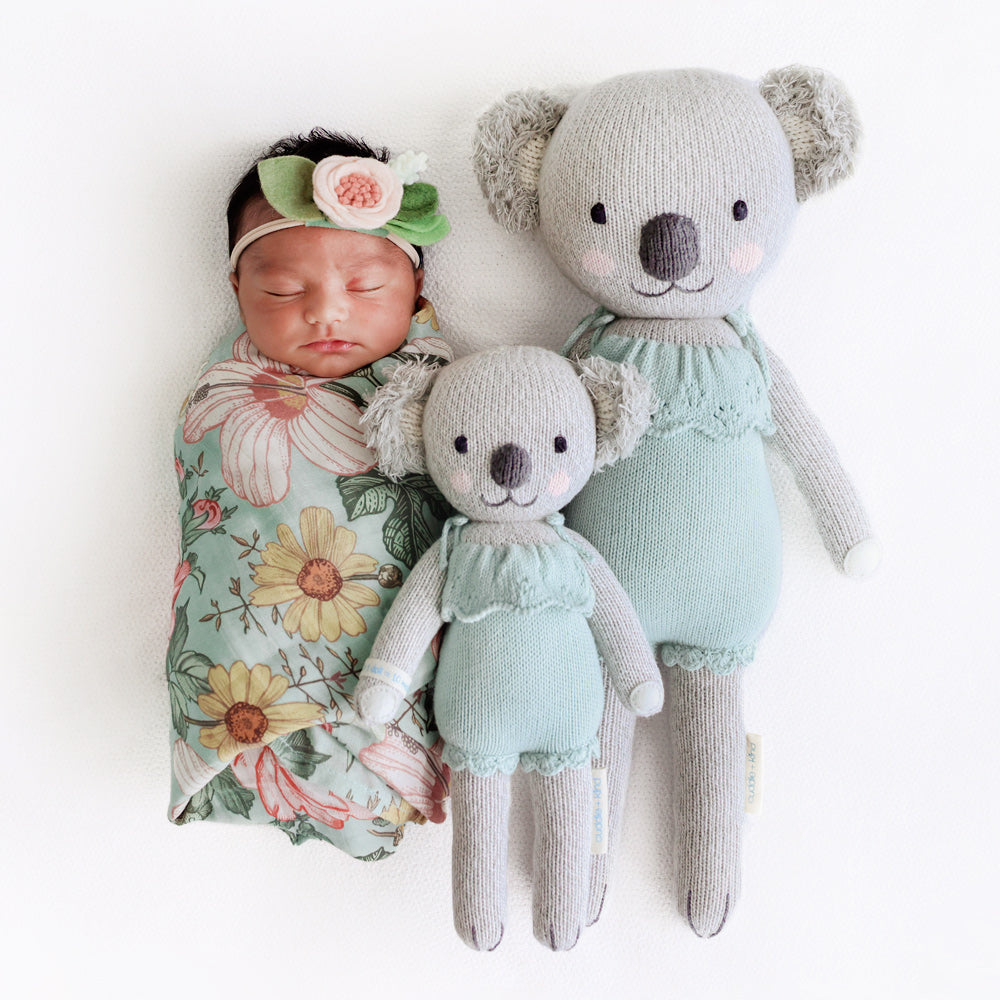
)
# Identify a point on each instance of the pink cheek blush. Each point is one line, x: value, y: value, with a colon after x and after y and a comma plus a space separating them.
x: 559, y: 484
x: 746, y: 258
x: 597, y: 263
x: 461, y: 482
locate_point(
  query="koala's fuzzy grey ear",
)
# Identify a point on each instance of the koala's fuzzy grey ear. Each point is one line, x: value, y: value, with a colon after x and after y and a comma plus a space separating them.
x: 507, y: 154
x: 820, y: 121
x: 393, y: 422
x: 624, y: 402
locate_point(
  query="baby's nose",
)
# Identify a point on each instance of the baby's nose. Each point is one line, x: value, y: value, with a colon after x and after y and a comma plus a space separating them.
x: 326, y: 305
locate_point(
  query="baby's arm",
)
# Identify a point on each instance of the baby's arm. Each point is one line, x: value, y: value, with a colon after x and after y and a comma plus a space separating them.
x: 621, y: 642
x: 406, y: 632
x: 808, y: 450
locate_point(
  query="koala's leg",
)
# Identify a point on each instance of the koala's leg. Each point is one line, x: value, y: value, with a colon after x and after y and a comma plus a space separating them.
x: 480, y: 817
x: 561, y: 804
x: 709, y: 764
x: 615, y: 736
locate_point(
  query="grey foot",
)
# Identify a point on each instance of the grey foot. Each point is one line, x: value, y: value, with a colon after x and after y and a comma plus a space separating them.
x: 707, y: 912
x: 480, y: 941
x: 564, y: 939
x: 598, y: 888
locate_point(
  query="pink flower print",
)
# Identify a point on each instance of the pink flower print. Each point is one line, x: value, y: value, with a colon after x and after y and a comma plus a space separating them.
x: 418, y: 774
x: 182, y: 572
x: 209, y: 507
x: 284, y: 796
x: 265, y: 408
x: 179, y: 468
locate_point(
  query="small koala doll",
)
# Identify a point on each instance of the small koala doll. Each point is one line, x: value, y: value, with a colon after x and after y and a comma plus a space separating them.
x: 530, y: 610
x: 664, y: 196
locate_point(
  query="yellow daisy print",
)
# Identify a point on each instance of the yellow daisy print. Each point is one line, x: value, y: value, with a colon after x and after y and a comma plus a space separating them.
x: 318, y: 577
x: 243, y: 702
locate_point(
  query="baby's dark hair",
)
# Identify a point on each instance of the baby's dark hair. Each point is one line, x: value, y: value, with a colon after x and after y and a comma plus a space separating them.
x: 317, y: 145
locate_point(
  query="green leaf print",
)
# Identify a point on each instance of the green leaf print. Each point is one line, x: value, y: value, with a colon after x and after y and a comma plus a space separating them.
x: 300, y: 830
x: 296, y: 750
x: 200, y: 807
x: 407, y: 531
x: 187, y: 673
x: 377, y: 855
x: 231, y: 794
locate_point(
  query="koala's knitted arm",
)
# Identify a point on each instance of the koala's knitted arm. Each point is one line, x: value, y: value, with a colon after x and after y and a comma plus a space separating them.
x: 406, y: 631
x: 621, y: 642
x: 808, y: 450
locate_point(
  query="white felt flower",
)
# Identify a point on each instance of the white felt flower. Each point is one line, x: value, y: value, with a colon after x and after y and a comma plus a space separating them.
x: 356, y: 193
x: 409, y: 166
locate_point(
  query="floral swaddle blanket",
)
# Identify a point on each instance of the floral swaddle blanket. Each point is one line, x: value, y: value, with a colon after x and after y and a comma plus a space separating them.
x: 292, y: 547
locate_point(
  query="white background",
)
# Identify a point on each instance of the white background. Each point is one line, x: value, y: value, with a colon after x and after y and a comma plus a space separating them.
x: 872, y: 871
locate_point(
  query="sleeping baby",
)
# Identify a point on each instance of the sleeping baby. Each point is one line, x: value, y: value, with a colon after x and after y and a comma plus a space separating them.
x: 293, y: 544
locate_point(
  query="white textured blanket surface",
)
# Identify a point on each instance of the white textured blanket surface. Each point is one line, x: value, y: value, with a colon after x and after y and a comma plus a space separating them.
x: 868, y: 873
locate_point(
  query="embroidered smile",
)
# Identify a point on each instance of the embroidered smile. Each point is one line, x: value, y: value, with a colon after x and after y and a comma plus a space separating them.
x: 671, y: 287
x: 508, y: 499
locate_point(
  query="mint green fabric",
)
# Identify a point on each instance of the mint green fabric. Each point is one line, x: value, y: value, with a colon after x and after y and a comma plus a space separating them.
x: 293, y: 545
x: 698, y: 549
x: 519, y: 678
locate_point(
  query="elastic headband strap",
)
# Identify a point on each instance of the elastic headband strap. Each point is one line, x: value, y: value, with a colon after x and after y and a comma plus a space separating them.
x: 277, y: 224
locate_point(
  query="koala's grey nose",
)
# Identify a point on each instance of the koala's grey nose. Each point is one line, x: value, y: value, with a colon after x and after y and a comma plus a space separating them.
x: 668, y: 247
x: 510, y: 466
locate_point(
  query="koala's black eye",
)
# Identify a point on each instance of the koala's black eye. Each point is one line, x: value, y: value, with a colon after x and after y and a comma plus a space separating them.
x: 598, y: 214
x: 461, y: 444
x: 740, y: 210
x: 560, y: 444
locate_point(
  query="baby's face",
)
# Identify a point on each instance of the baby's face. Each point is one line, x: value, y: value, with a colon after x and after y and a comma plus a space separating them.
x: 328, y: 301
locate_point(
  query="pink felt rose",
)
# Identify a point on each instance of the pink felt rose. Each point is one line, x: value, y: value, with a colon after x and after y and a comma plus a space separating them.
x: 356, y: 193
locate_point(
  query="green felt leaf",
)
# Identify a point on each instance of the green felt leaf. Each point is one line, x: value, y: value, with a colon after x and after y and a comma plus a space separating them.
x: 418, y: 200
x: 287, y: 185
x: 421, y: 232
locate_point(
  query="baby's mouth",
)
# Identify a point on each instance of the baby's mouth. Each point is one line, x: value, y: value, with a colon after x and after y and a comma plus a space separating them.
x: 330, y: 346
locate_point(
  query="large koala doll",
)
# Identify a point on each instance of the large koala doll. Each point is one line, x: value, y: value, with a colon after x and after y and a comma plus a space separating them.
x: 664, y: 196
x: 510, y: 436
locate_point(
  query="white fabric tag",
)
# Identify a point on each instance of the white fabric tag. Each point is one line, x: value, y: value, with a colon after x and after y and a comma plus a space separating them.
x: 599, y: 825
x: 397, y: 679
x: 755, y: 771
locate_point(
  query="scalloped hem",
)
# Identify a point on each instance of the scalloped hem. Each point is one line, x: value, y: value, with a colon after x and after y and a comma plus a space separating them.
x: 548, y: 764
x: 719, y: 661
x: 716, y: 431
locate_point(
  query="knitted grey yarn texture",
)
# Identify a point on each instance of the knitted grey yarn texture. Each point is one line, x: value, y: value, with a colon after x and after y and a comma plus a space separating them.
x: 531, y: 610
x: 480, y: 817
x: 708, y: 755
x: 562, y: 836
x: 803, y: 443
x: 665, y: 196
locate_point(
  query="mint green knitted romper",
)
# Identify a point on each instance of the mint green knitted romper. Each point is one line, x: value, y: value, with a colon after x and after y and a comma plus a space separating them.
x: 689, y: 523
x: 518, y: 677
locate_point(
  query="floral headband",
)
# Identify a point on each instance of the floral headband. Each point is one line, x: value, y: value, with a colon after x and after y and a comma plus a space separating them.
x: 362, y: 194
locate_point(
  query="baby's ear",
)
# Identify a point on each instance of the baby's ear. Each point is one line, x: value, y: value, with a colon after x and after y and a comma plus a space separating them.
x: 820, y: 121
x: 507, y: 154
x: 624, y: 403
x: 393, y: 422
